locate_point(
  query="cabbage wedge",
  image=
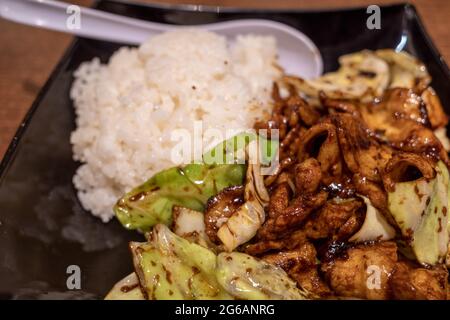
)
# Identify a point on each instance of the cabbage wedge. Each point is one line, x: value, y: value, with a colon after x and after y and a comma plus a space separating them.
x: 375, y: 226
x: 245, y: 222
x: 170, y: 267
x: 126, y: 289
x: 189, y: 186
x: 419, y: 208
x: 250, y: 279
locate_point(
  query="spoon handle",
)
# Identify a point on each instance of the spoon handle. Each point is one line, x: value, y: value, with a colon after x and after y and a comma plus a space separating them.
x: 80, y: 21
x: 297, y: 53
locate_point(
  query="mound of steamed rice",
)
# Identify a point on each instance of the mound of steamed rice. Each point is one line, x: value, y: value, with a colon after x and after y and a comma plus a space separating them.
x: 127, y: 109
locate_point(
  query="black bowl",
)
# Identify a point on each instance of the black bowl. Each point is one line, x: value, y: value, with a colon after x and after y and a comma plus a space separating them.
x: 43, y: 228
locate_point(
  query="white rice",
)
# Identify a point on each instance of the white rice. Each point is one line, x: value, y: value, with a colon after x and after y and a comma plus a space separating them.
x: 127, y: 109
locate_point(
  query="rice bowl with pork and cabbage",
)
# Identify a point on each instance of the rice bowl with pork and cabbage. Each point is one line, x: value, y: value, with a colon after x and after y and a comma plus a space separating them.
x: 356, y: 205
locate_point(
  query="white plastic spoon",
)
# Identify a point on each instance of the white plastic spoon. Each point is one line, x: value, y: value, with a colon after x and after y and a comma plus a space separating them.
x: 297, y: 53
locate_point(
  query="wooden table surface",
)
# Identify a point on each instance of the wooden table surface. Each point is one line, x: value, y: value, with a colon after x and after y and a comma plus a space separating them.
x: 28, y: 55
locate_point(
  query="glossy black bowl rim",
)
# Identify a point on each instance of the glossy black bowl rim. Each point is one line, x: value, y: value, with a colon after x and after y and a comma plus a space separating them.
x: 230, y: 9
x: 12, y: 148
